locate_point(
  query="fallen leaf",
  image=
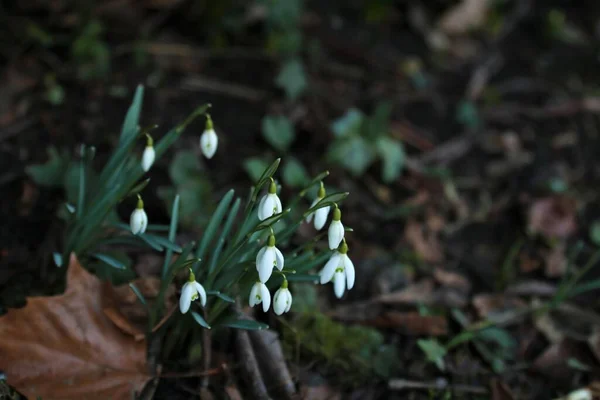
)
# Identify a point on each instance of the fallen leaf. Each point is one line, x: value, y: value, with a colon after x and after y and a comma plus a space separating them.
x: 552, y: 362
x: 123, y: 308
x: 425, y: 244
x: 553, y: 217
x: 64, y: 347
x: 500, y: 391
x: 411, y: 323
x: 419, y: 292
x: 555, y: 260
x: 465, y: 16
x: 490, y: 305
x: 452, y: 280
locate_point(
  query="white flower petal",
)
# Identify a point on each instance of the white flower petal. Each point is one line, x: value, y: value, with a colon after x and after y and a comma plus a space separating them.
x: 260, y: 255
x: 261, y: 206
x: 148, y: 158
x: 349, y: 271
x: 208, y: 143
x: 265, y: 209
x: 279, y: 259
x: 254, y: 295
x: 277, y: 208
x: 329, y: 268
x: 339, y: 284
x: 279, y: 301
x: 144, y: 221
x: 335, y: 234
x: 187, y: 292
x: 201, y: 293
x: 136, y: 221
x: 321, y: 217
x: 309, y: 217
x: 289, y: 302
x: 265, y: 264
x: 266, y: 297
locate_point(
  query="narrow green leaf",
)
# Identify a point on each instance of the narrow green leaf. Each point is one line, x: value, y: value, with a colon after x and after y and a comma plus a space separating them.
x: 132, y: 118
x: 245, y: 324
x: 328, y: 201
x: 302, y: 277
x: 267, y: 174
x: 151, y: 242
x: 183, y: 261
x: 164, y: 242
x: 138, y: 188
x: 215, y: 220
x: 172, y: 233
x: 138, y: 294
x: 271, y: 220
x: 220, y: 295
x: 316, y: 180
x: 82, y: 179
x: 255, y: 167
x: 224, y: 233
x: 58, y: 260
x: 200, y: 320
x: 113, y: 262
x: 157, y: 228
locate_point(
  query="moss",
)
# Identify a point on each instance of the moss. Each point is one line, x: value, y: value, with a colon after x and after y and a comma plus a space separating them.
x: 358, y: 352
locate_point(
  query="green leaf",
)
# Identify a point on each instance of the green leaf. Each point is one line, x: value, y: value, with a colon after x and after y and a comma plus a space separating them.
x: 113, y: 262
x: 138, y: 188
x: 294, y: 174
x: 278, y: 132
x: 151, y: 242
x: 185, y: 167
x: 198, y: 318
x: 270, y: 221
x: 213, y: 225
x: 224, y: 234
x: 292, y: 78
x: 138, y: 294
x: 595, y: 233
x: 52, y: 172
x: 220, y: 295
x: 302, y: 277
x: 255, y: 167
x: 132, y: 118
x: 379, y: 123
x: 172, y: 233
x: 246, y: 324
x: 163, y: 241
x: 58, y: 260
x: 434, y: 351
x: 328, y: 201
x: 467, y: 114
x: 348, y: 124
x: 355, y: 154
x: 393, y: 157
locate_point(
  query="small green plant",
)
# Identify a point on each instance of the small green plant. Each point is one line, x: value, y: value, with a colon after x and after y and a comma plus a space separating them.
x: 361, y: 140
x: 245, y: 251
x: 90, y: 53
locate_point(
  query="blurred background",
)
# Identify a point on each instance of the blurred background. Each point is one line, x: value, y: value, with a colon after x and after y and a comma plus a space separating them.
x: 467, y: 133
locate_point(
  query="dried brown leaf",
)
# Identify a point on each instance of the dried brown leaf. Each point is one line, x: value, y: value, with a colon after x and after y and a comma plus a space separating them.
x: 553, y: 217
x: 64, y: 347
x: 452, y: 280
x: 488, y: 305
x: 555, y: 261
x: 465, y: 16
x: 425, y: 244
x: 411, y: 323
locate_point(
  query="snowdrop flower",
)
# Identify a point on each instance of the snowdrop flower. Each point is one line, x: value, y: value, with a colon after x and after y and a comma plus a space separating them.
x: 209, y: 139
x: 267, y: 258
x: 138, y: 221
x: 282, y: 301
x: 190, y: 291
x: 322, y: 213
x: 340, y: 270
x: 260, y: 294
x: 149, y: 154
x: 270, y: 203
x: 336, y: 229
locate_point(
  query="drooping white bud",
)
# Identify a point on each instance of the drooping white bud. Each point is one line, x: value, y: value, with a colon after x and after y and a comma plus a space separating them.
x: 191, y: 291
x: 270, y: 203
x: 138, y: 222
x: 149, y: 154
x: 260, y: 294
x: 335, y: 234
x: 209, y: 139
x: 282, y: 301
x: 268, y: 258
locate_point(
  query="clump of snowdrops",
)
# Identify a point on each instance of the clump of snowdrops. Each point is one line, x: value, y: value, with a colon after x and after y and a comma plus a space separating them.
x: 244, y: 254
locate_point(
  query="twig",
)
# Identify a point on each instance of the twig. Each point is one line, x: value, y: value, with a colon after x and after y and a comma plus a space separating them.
x: 272, y: 361
x: 197, y: 83
x: 192, y: 374
x: 440, y: 384
x: 249, y: 366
